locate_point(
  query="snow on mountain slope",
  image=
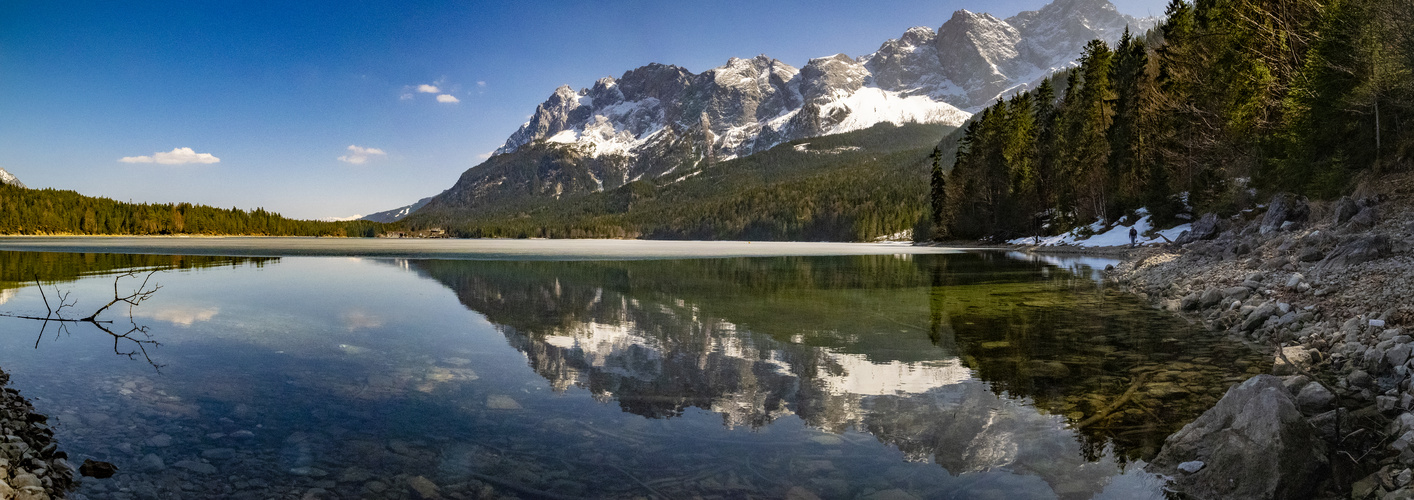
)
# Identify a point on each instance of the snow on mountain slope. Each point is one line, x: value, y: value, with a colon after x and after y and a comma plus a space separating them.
x: 8, y: 178
x: 750, y: 105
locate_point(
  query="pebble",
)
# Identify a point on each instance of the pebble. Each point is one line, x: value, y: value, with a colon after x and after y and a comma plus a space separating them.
x: 194, y: 466
x: 159, y: 441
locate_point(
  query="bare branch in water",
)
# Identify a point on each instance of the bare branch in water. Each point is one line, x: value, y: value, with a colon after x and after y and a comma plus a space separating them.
x: 138, y: 335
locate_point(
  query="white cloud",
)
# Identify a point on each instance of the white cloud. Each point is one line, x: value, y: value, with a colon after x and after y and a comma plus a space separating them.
x: 360, y: 155
x: 428, y: 89
x: 481, y: 84
x: 405, y: 96
x: 177, y: 156
x: 486, y: 155
x: 447, y: 98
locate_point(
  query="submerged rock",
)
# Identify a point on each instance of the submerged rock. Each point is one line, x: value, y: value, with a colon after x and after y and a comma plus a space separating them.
x: 1255, y: 444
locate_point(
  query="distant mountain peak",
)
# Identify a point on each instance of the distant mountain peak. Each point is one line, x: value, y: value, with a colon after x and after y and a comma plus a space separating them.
x: 658, y: 118
x: 9, y: 179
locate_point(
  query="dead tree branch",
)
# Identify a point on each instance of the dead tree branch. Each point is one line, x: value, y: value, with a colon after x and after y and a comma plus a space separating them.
x: 137, y: 335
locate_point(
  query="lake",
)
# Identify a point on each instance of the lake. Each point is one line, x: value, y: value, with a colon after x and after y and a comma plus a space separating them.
x: 903, y: 374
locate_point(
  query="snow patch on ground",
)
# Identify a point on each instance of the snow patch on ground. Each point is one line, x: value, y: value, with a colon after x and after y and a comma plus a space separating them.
x: 1115, y: 236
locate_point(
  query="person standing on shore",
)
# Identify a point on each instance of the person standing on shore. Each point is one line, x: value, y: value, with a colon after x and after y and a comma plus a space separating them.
x: 1133, y: 237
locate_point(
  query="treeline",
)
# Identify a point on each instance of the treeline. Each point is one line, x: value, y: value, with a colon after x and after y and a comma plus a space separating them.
x: 1223, y: 98
x: 848, y: 187
x: 54, y: 212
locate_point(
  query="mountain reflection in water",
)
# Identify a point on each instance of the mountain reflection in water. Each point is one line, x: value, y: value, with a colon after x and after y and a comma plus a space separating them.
x: 962, y: 375
x: 974, y: 361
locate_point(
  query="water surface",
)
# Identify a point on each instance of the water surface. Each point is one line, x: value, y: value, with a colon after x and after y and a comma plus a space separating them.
x: 965, y: 375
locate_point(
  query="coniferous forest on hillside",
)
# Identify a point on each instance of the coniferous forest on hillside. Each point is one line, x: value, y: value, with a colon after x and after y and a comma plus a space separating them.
x: 56, y: 212
x: 1226, y: 99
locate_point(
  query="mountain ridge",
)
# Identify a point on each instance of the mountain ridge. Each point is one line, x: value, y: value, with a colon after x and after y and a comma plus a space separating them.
x: 663, y: 123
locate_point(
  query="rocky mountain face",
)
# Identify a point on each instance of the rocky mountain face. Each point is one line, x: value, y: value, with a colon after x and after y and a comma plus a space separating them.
x: 9, y: 179
x: 661, y: 122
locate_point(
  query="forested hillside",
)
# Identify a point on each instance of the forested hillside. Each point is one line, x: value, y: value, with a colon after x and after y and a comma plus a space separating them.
x: 50, y: 211
x: 1225, y: 100
x: 846, y: 187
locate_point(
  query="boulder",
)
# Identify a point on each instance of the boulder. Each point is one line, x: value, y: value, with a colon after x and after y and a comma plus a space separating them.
x: 1236, y: 292
x: 1284, y: 208
x: 1358, y: 250
x: 1255, y: 444
x: 1205, y: 228
x: 1314, y: 398
x: 1210, y: 298
x: 1364, y: 219
x: 1344, y: 210
x: 1259, y: 316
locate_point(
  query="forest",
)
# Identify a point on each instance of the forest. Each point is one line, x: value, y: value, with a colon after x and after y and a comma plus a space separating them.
x: 1224, y: 101
x: 55, y: 212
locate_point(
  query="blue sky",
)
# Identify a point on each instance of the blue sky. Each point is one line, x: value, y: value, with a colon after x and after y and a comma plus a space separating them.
x: 322, y: 109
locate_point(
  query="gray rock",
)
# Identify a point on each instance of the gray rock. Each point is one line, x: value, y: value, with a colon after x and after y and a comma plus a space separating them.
x: 1284, y: 208
x: 1398, y: 354
x: 1259, y: 316
x: 151, y: 463
x: 1357, y: 251
x: 1373, y: 359
x: 1236, y: 293
x: 1314, y: 398
x: 1191, y: 467
x: 1210, y: 298
x: 1386, y: 404
x: 1294, y: 383
x: 159, y: 441
x: 1255, y: 442
x: 1205, y: 228
x: 1344, y: 210
x: 1364, y: 219
x: 194, y: 466
x: 1310, y: 254
x: 1360, y: 378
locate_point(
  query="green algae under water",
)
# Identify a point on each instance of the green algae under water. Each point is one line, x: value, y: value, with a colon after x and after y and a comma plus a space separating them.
x: 966, y: 375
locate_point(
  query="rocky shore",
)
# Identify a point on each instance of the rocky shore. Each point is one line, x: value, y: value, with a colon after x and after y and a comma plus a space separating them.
x: 31, y: 466
x: 1327, y: 287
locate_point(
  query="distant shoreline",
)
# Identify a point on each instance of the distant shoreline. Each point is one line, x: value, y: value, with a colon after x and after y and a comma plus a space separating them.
x: 454, y: 249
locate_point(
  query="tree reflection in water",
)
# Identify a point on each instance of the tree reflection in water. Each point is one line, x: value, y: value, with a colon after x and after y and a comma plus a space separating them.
x: 57, y: 268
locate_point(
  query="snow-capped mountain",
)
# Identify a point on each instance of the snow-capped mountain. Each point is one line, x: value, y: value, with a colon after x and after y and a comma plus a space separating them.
x: 664, y: 123
x: 749, y: 105
x: 395, y: 214
x: 9, y: 179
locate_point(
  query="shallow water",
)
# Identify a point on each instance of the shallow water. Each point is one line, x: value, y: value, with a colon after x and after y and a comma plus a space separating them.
x: 936, y: 376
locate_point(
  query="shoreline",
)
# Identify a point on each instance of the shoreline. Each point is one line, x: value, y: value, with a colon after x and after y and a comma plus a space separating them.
x: 446, y: 248
x: 1326, y: 288
x: 31, y: 465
